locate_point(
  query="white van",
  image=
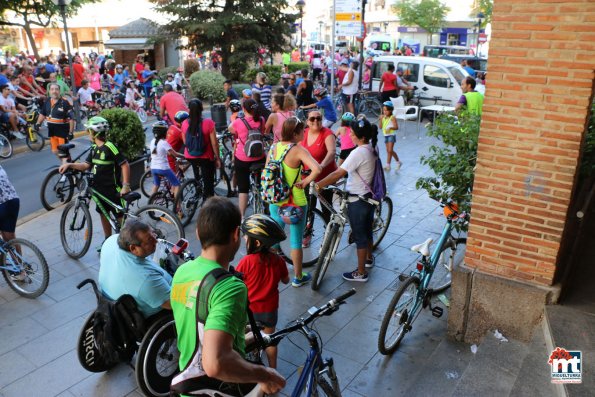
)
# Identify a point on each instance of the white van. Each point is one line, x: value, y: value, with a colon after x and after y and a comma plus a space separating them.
x: 433, y: 77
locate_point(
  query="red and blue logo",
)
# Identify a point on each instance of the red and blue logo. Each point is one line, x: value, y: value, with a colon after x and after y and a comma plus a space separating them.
x: 566, y: 366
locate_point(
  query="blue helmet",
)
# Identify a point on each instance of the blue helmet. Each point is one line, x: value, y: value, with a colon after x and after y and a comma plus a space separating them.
x: 347, y: 116
x: 388, y: 104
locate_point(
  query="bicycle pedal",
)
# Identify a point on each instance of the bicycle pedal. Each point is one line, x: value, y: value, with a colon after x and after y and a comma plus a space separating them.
x: 437, y: 311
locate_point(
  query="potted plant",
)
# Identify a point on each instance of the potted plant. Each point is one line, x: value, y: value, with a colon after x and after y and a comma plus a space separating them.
x: 127, y: 133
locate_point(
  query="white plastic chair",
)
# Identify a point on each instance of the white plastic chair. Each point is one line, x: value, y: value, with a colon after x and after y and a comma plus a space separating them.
x: 400, y: 112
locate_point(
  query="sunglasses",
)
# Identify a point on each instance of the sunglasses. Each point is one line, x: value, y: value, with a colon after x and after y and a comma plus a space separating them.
x: 313, y: 119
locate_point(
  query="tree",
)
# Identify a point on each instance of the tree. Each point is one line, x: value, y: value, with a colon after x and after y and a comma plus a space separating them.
x: 485, y: 7
x: 427, y: 14
x: 238, y: 28
x: 42, y: 13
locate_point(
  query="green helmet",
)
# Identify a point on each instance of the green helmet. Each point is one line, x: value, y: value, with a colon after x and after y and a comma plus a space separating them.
x: 98, y: 124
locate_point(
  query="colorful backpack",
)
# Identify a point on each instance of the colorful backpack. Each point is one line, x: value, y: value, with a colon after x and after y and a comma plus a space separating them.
x: 273, y: 187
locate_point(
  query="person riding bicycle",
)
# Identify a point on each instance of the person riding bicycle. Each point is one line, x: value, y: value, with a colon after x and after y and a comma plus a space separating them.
x: 132, y: 95
x: 125, y: 268
x: 174, y: 137
x: 212, y: 341
x: 235, y: 106
x: 106, y: 163
x: 58, y: 114
x: 9, y: 213
x: 324, y: 103
x: 171, y: 102
x: 160, y: 151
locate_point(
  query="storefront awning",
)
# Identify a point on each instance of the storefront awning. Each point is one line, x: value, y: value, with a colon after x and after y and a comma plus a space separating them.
x: 129, y: 43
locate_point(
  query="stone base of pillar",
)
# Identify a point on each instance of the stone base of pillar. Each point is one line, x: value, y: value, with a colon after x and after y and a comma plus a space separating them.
x: 480, y: 302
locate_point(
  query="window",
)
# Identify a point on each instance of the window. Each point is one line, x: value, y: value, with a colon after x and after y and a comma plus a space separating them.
x: 410, y: 71
x: 380, y: 68
x: 453, y: 39
x: 456, y: 72
x: 436, y: 76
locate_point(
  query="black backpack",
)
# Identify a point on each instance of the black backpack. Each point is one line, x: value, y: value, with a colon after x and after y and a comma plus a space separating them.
x: 111, y: 333
x: 254, y: 145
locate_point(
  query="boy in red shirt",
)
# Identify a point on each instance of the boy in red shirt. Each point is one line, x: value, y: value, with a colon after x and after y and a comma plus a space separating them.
x: 262, y: 270
x: 174, y: 137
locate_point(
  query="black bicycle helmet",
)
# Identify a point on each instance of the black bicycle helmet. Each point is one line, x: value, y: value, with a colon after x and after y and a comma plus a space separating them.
x: 181, y: 115
x: 264, y: 229
x: 235, y: 105
x: 160, y: 126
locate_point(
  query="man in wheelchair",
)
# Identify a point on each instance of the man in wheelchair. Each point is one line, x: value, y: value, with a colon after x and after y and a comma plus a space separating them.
x: 210, y: 312
x: 125, y: 268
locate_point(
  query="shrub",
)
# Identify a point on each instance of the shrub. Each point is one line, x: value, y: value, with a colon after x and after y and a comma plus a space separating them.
x: 126, y: 131
x: 295, y: 66
x: 454, y: 162
x: 250, y: 75
x: 191, y: 66
x: 168, y: 69
x: 241, y: 87
x: 273, y: 73
x: 206, y: 83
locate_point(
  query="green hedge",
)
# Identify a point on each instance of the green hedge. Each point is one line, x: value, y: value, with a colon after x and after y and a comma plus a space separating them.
x: 273, y: 73
x: 241, y: 87
x: 206, y: 83
x: 126, y: 131
x: 168, y: 69
x: 295, y: 66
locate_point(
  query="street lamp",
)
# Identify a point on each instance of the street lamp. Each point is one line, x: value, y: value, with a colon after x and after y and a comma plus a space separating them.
x: 63, y: 4
x: 320, y: 23
x: 480, y: 17
x: 300, y: 6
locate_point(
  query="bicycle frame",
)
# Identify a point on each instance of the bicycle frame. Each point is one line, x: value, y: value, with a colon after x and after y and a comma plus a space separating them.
x: 11, y: 267
x: 338, y: 218
x: 313, y: 365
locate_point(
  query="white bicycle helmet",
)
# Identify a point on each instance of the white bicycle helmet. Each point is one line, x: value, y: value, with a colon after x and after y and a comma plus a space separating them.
x: 98, y: 124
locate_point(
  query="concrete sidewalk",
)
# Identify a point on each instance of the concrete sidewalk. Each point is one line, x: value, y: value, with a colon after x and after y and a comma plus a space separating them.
x: 38, y: 349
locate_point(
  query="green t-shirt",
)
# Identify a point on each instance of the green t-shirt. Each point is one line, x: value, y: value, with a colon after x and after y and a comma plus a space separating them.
x: 474, y: 102
x: 227, y: 308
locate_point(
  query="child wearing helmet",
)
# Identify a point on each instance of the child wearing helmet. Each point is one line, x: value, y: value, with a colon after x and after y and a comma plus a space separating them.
x: 180, y: 79
x: 131, y: 95
x: 174, y: 137
x: 344, y: 134
x: 235, y: 106
x: 263, y: 270
x: 106, y: 163
x: 160, y: 150
x: 326, y: 105
x: 388, y: 124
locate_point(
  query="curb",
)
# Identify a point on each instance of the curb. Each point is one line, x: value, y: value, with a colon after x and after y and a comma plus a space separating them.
x: 23, y: 147
x: 31, y: 216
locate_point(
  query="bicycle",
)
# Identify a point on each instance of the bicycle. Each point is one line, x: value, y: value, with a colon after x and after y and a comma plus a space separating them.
x: 76, y: 226
x: 23, y: 266
x: 368, y: 104
x: 226, y: 172
x: 318, y: 376
x: 34, y: 140
x: 5, y: 145
x: 417, y: 290
x: 383, y: 211
x: 58, y: 189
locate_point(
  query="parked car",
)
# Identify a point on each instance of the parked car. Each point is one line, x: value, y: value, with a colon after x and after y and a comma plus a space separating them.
x: 432, y: 77
x: 477, y: 63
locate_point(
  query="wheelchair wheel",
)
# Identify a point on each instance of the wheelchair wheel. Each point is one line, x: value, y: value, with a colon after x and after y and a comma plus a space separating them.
x: 157, y: 358
x: 88, y: 355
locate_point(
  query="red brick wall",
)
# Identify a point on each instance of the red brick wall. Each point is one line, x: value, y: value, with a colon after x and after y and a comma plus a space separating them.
x: 539, y: 90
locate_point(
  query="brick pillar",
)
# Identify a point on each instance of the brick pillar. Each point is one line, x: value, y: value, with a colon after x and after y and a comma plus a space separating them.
x: 539, y: 90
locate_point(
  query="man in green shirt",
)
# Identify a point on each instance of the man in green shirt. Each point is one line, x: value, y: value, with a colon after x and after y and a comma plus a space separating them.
x: 212, y: 348
x: 471, y: 100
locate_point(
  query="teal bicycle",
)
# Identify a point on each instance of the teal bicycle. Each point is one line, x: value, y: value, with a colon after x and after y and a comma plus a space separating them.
x: 431, y: 277
x: 24, y: 267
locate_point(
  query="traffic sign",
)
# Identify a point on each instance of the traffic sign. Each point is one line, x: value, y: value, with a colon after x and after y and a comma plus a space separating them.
x: 483, y: 38
x: 348, y: 18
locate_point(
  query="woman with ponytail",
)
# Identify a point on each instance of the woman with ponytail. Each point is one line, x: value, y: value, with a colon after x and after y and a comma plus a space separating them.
x: 160, y: 149
x: 359, y: 168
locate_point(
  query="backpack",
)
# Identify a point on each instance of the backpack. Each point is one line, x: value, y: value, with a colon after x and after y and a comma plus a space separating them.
x: 195, y: 142
x: 273, y: 187
x: 378, y: 188
x: 253, y: 146
x: 110, y: 334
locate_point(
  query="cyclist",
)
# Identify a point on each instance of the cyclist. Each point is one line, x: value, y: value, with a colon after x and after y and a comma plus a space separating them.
x: 10, y: 115
x: 344, y: 134
x: 171, y: 102
x: 360, y: 167
x: 212, y: 345
x: 235, y: 106
x: 324, y: 103
x: 263, y: 270
x: 103, y: 159
x: 125, y: 268
x: 180, y: 79
x: 131, y: 95
x: 58, y: 113
x: 277, y: 118
x: 174, y: 137
x: 160, y: 151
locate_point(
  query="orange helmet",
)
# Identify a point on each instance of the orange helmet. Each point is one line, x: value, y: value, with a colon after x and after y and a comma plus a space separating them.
x: 451, y: 209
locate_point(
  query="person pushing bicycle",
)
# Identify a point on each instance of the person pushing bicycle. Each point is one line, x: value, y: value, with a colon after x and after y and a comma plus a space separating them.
x: 107, y: 164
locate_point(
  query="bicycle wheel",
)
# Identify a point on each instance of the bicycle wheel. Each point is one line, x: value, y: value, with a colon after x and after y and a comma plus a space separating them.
x: 34, y: 275
x: 314, y: 231
x: 371, y: 108
x: 163, y: 199
x: 56, y: 189
x: 382, y: 216
x: 187, y: 200
x: 326, y: 256
x: 397, y: 319
x: 146, y: 183
x: 76, y: 229
x: 157, y: 358
x: 164, y: 222
x: 5, y: 147
x: 34, y: 140
x: 442, y: 276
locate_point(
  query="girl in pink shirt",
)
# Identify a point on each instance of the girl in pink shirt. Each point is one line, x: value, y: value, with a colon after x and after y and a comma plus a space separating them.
x: 343, y: 133
x: 282, y: 110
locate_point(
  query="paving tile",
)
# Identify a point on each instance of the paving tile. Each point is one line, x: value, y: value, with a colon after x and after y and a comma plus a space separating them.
x: 19, y: 333
x: 67, y: 309
x: 359, y: 338
x: 66, y: 287
x: 12, y: 367
x: 51, y: 379
x: 20, y: 308
x: 119, y: 381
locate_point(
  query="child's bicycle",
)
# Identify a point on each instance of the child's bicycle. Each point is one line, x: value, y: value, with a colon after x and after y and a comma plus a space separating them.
x: 24, y: 267
x: 318, y: 375
x: 430, y: 278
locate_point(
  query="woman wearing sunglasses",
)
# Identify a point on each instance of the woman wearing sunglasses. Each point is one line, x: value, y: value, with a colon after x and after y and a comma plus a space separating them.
x: 321, y: 143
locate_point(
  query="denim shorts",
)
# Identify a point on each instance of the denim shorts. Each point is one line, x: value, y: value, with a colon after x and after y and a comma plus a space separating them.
x: 361, y: 220
x: 167, y: 174
x: 390, y: 138
x: 267, y: 319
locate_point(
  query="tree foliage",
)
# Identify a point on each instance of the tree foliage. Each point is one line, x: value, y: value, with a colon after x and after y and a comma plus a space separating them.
x: 41, y: 13
x: 126, y: 131
x: 427, y: 14
x: 237, y: 27
x: 485, y: 7
x: 454, y: 162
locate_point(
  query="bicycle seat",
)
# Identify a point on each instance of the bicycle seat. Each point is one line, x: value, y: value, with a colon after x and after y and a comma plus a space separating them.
x: 423, y: 248
x: 66, y: 147
x: 132, y: 196
x: 257, y: 166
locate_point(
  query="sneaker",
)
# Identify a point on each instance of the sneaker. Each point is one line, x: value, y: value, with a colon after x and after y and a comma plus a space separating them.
x: 298, y: 282
x: 18, y: 134
x: 387, y: 168
x: 398, y: 167
x: 355, y: 276
x: 306, y: 241
x: 370, y: 262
